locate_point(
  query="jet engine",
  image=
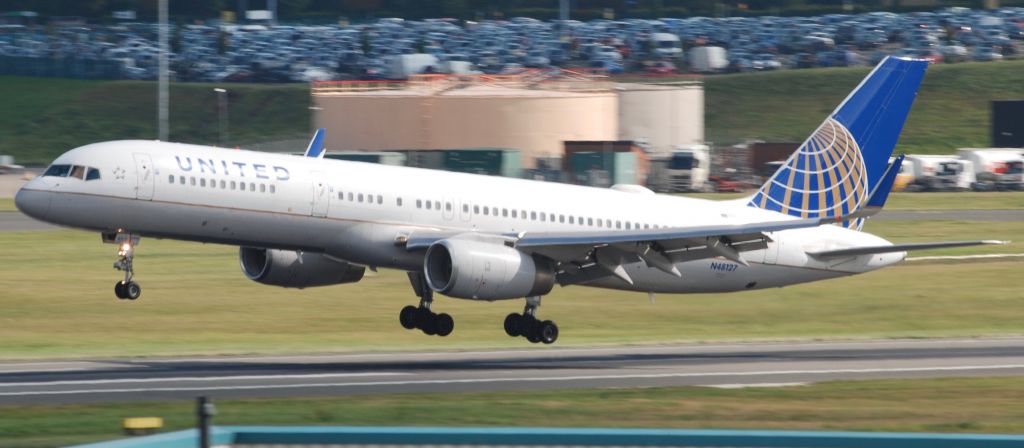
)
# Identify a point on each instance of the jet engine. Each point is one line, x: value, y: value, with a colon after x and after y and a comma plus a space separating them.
x: 292, y: 269
x: 469, y: 268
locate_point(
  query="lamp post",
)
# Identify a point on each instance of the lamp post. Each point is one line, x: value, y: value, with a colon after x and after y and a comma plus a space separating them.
x: 222, y: 107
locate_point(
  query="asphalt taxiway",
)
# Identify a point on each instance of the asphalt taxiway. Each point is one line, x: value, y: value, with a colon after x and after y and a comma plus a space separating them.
x: 532, y: 368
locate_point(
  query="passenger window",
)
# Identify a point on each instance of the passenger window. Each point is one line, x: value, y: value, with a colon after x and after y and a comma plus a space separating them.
x: 447, y: 206
x: 419, y: 203
x: 273, y: 189
x: 476, y: 209
x: 485, y: 211
x: 561, y: 218
x: 57, y: 170
x: 398, y: 201
x: 192, y: 181
x: 504, y: 212
x: 181, y: 180
x: 233, y: 184
x: 94, y: 174
x: 618, y: 224
x: 341, y: 196
x: 241, y: 186
x: 252, y: 187
x: 465, y: 208
x: 590, y: 221
x: 263, y: 188
x: 543, y: 216
x: 223, y: 185
x: 202, y: 182
x: 533, y: 216
x: 572, y: 220
x: 170, y: 179
x: 437, y: 205
x: 380, y: 199
x: 350, y: 197
x: 428, y: 205
x: 514, y: 213
x: 359, y: 198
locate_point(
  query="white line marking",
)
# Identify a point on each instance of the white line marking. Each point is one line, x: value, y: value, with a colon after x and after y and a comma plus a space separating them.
x: 204, y: 378
x: 964, y: 257
x: 745, y: 386
x: 524, y: 379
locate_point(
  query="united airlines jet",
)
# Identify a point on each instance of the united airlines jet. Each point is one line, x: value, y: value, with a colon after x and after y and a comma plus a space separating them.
x: 308, y: 221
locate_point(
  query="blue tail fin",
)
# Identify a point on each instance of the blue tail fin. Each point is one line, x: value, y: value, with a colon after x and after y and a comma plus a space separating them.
x: 316, y: 145
x: 837, y: 168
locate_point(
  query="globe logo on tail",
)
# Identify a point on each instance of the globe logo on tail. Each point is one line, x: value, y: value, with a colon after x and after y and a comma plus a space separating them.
x: 825, y: 177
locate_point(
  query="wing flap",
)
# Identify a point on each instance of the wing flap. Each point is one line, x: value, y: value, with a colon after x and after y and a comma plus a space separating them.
x: 870, y: 250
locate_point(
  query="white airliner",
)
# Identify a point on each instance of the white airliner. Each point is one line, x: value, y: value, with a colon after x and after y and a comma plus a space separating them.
x: 309, y: 221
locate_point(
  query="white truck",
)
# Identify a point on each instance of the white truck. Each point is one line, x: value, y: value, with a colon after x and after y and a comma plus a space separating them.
x: 938, y: 173
x: 403, y: 65
x: 666, y: 45
x: 708, y: 59
x: 996, y: 168
x: 684, y: 169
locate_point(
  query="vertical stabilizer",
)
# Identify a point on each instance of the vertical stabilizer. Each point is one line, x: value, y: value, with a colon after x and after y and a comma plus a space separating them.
x: 836, y: 170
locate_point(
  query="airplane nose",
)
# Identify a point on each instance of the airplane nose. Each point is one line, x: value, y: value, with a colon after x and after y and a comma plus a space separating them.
x: 33, y: 203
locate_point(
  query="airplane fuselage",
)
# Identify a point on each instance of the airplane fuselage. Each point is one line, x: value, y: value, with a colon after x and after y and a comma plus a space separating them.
x: 358, y: 212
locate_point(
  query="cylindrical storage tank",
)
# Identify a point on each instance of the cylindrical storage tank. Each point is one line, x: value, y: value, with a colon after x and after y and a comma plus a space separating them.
x: 536, y: 122
x: 663, y: 116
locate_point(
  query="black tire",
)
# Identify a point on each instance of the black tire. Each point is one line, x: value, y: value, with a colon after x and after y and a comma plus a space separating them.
x: 533, y: 336
x: 427, y: 322
x: 132, y: 291
x: 407, y: 317
x: 513, y: 325
x: 444, y: 324
x: 119, y: 290
x: 548, y: 332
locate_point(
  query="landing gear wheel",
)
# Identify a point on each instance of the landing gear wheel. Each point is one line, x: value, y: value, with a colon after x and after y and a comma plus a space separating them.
x: 132, y: 291
x: 119, y: 290
x: 513, y: 323
x: 444, y: 324
x: 548, y: 332
x: 408, y: 317
x: 429, y: 325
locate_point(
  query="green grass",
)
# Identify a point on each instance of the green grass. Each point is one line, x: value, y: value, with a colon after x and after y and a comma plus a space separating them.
x: 58, y: 302
x: 989, y: 405
x: 951, y: 111
x: 41, y: 118
x: 7, y: 205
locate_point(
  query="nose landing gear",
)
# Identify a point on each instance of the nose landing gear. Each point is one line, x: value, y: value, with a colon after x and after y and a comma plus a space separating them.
x: 127, y: 288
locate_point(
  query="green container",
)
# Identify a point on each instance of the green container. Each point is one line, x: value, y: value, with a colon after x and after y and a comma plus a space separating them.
x: 603, y: 169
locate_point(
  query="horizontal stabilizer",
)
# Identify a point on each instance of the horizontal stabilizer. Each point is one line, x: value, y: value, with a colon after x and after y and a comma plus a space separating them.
x: 869, y: 250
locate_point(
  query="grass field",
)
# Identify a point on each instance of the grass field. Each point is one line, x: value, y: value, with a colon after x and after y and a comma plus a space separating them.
x: 57, y: 301
x: 43, y: 117
x: 990, y: 405
x: 7, y: 205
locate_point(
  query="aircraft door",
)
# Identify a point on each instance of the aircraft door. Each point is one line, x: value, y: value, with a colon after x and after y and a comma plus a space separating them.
x: 145, y: 177
x: 321, y: 195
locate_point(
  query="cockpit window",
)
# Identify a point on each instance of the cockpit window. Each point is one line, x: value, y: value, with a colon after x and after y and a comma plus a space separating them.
x: 58, y: 170
x: 77, y: 171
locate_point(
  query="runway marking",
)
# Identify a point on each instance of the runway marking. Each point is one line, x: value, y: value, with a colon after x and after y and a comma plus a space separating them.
x: 754, y: 385
x: 964, y: 257
x: 203, y: 378
x: 523, y: 379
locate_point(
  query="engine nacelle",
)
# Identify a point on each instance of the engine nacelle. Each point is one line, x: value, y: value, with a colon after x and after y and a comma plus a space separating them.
x: 469, y: 268
x: 292, y: 269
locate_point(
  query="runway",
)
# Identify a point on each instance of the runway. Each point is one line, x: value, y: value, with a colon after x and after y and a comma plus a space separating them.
x: 533, y: 368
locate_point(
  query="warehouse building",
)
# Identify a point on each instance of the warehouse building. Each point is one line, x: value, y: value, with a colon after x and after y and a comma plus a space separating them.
x: 532, y: 113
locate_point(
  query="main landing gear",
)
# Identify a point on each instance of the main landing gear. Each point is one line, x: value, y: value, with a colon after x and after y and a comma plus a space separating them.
x: 127, y: 288
x: 528, y: 326
x: 421, y: 317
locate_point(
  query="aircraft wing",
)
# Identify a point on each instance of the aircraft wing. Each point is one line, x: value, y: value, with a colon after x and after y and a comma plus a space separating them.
x: 870, y: 250
x: 592, y: 254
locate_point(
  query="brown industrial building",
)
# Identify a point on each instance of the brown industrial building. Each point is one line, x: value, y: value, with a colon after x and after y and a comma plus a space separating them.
x: 531, y: 113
